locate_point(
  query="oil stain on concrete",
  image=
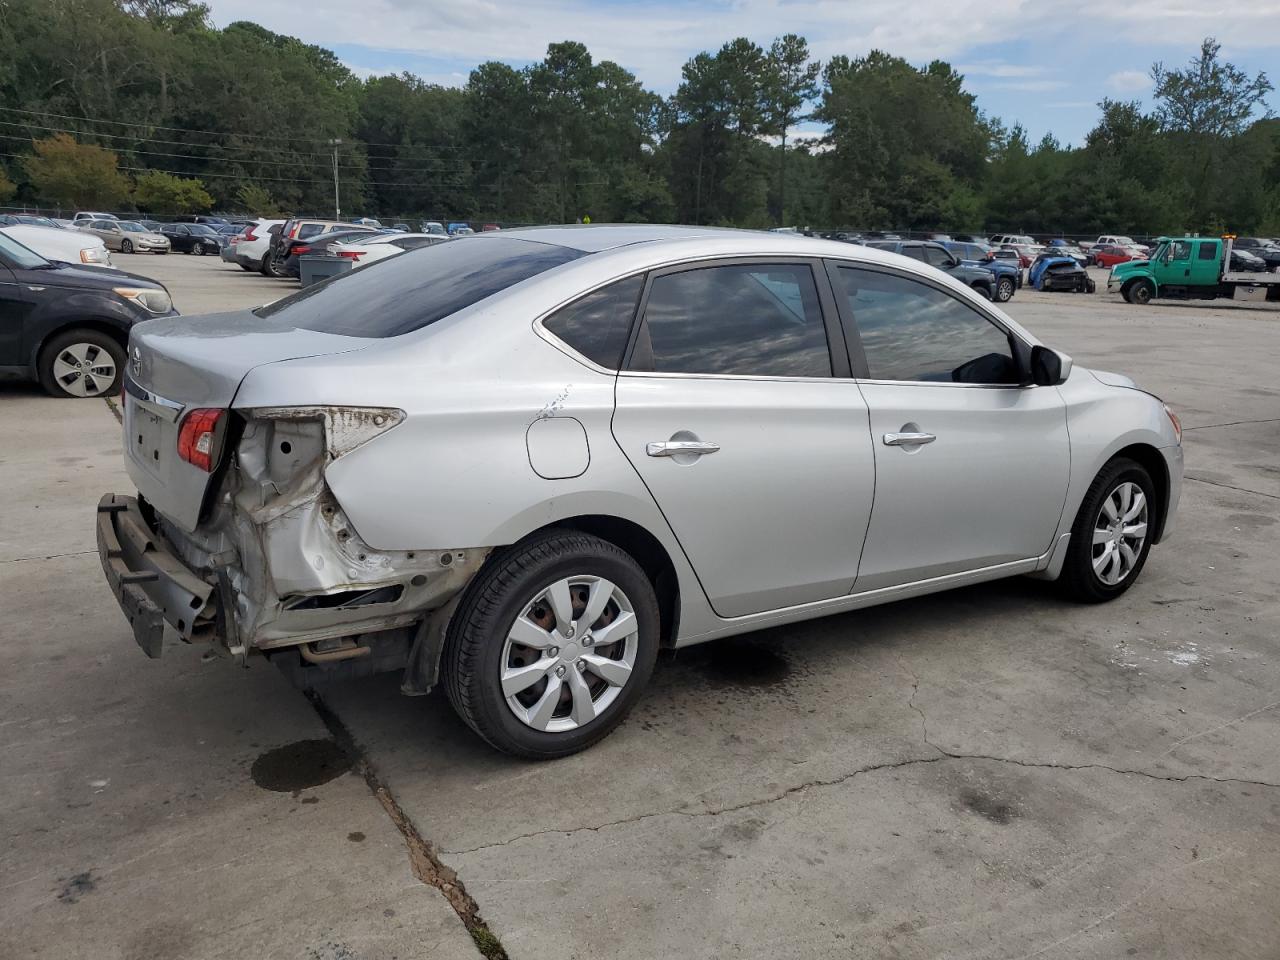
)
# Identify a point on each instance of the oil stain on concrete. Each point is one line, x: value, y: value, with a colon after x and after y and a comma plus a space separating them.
x: 300, y: 765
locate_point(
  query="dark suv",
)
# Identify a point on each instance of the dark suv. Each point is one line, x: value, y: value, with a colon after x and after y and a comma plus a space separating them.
x: 935, y: 254
x: 67, y: 326
x: 1264, y: 250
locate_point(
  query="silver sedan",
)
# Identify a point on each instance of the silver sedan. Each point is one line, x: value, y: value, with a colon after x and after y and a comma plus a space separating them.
x: 520, y: 463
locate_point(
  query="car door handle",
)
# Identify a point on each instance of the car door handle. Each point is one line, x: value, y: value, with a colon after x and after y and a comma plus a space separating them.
x: 674, y: 448
x: 907, y: 439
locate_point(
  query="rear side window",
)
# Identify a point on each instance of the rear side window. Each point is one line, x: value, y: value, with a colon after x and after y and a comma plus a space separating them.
x: 310, y: 230
x: 1209, y: 250
x: 597, y: 325
x: 401, y: 294
x: 913, y: 331
x: 746, y: 320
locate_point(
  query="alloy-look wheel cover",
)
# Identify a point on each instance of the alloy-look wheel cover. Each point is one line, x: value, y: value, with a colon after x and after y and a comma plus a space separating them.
x: 1119, y: 532
x: 569, y: 654
x: 84, y: 369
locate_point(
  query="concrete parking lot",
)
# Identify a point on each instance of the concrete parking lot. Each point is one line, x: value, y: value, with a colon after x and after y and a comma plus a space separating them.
x: 986, y: 773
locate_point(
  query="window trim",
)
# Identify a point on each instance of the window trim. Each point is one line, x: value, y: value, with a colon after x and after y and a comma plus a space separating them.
x: 1020, y: 349
x: 540, y: 329
x: 837, y: 352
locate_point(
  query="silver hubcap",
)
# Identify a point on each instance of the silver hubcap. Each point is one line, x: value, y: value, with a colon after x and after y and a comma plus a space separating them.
x: 1119, y: 531
x: 84, y: 369
x: 569, y: 653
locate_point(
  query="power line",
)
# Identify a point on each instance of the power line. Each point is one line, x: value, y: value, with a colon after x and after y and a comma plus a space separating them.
x: 207, y: 133
x: 253, y: 177
x: 458, y: 165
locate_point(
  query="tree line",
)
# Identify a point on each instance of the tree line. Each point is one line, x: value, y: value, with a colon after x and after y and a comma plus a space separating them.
x: 143, y: 103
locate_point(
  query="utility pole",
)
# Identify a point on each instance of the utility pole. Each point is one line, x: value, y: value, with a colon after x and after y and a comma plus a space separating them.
x: 337, y: 205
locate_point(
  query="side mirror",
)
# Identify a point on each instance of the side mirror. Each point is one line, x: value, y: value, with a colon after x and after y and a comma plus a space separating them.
x: 1049, y: 367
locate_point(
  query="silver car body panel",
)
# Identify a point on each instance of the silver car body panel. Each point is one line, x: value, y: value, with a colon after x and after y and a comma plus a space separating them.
x: 506, y: 430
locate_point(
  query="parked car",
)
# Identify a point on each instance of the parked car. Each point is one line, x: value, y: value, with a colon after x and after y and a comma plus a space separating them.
x: 206, y: 218
x: 91, y: 215
x: 1067, y: 249
x: 1025, y: 253
x: 126, y: 236
x: 1013, y: 240
x: 1118, y: 240
x: 1268, y: 251
x: 489, y: 227
x: 61, y: 246
x: 1246, y: 262
x: 402, y: 228
x: 30, y: 219
x: 564, y: 534
x: 196, y: 238
x: 982, y: 255
x: 250, y: 251
x: 434, y: 227
x: 1107, y: 255
x: 460, y: 230
x: 1057, y: 271
x: 66, y: 326
x: 382, y: 245
x: 324, y: 243
x: 295, y: 231
x: 969, y: 238
x: 936, y: 255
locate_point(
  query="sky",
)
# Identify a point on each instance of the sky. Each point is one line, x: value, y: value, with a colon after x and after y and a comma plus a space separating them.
x: 1035, y: 62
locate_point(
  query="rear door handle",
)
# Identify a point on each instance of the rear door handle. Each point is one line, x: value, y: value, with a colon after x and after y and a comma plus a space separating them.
x: 907, y: 439
x: 674, y: 448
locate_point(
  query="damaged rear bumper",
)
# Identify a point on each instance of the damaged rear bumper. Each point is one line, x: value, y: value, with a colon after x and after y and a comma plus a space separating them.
x: 151, y: 584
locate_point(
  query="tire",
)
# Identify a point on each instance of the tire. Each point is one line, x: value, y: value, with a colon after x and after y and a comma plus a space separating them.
x: 271, y: 269
x: 1004, y: 290
x: 1080, y: 580
x: 984, y: 289
x: 198, y: 249
x: 516, y: 586
x: 126, y: 246
x: 57, y: 364
x: 1140, y: 292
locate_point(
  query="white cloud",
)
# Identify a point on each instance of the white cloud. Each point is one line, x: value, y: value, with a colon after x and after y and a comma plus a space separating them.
x: 998, y: 68
x: 1129, y: 81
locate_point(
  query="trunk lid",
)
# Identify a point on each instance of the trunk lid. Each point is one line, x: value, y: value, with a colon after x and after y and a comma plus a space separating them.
x: 180, y: 364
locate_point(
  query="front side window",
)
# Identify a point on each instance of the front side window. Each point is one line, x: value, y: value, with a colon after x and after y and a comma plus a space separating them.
x: 1181, y: 250
x: 597, y: 325
x: 937, y: 256
x: 759, y: 320
x: 915, y: 332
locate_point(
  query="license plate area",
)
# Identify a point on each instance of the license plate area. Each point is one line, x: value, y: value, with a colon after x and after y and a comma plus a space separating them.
x: 150, y: 434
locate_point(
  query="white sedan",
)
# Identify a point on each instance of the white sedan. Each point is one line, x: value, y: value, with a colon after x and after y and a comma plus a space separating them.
x: 382, y: 245
x: 68, y: 246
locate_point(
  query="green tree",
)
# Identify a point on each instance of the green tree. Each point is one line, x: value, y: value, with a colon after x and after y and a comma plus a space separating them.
x: 159, y: 192
x: 71, y: 174
x: 256, y: 199
x: 791, y: 81
x: 7, y: 187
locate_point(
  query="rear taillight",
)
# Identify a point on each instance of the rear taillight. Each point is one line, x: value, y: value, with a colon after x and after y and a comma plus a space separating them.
x: 197, y: 436
x: 293, y: 234
x: 353, y: 254
x: 298, y: 251
x: 249, y: 234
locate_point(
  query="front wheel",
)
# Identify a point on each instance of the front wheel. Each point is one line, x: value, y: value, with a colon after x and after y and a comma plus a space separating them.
x: 126, y: 246
x: 198, y: 249
x: 1004, y: 290
x: 1140, y: 292
x: 81, y: 363
x: 1111, y: 536
x: 552, y: 645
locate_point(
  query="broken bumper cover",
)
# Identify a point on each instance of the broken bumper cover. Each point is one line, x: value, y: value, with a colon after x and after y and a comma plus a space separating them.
x: 151, y: 584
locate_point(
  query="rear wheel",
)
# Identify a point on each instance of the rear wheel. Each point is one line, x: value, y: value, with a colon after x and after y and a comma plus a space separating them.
x: 1004, y: 290
x: 552, y: 645
x: 1111, y: 536
x: 81, y: 363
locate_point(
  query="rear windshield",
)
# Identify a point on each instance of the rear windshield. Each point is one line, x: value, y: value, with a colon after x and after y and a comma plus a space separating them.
x: 405, y: 293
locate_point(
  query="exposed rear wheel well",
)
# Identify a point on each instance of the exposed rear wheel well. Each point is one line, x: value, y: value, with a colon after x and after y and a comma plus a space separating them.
x: 1152, y: 460
x: 648, y: 552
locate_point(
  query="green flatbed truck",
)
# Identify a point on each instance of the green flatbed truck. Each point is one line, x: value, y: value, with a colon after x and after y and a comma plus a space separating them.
x: 1190, y: 268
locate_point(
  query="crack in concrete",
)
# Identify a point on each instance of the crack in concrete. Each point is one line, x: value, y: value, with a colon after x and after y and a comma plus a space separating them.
x: 115, y: 410
x: 423, y: 861
x: 1228, y: 486
x: 943, y: 756
x: 52, y: 556
x: 1233, y: 423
